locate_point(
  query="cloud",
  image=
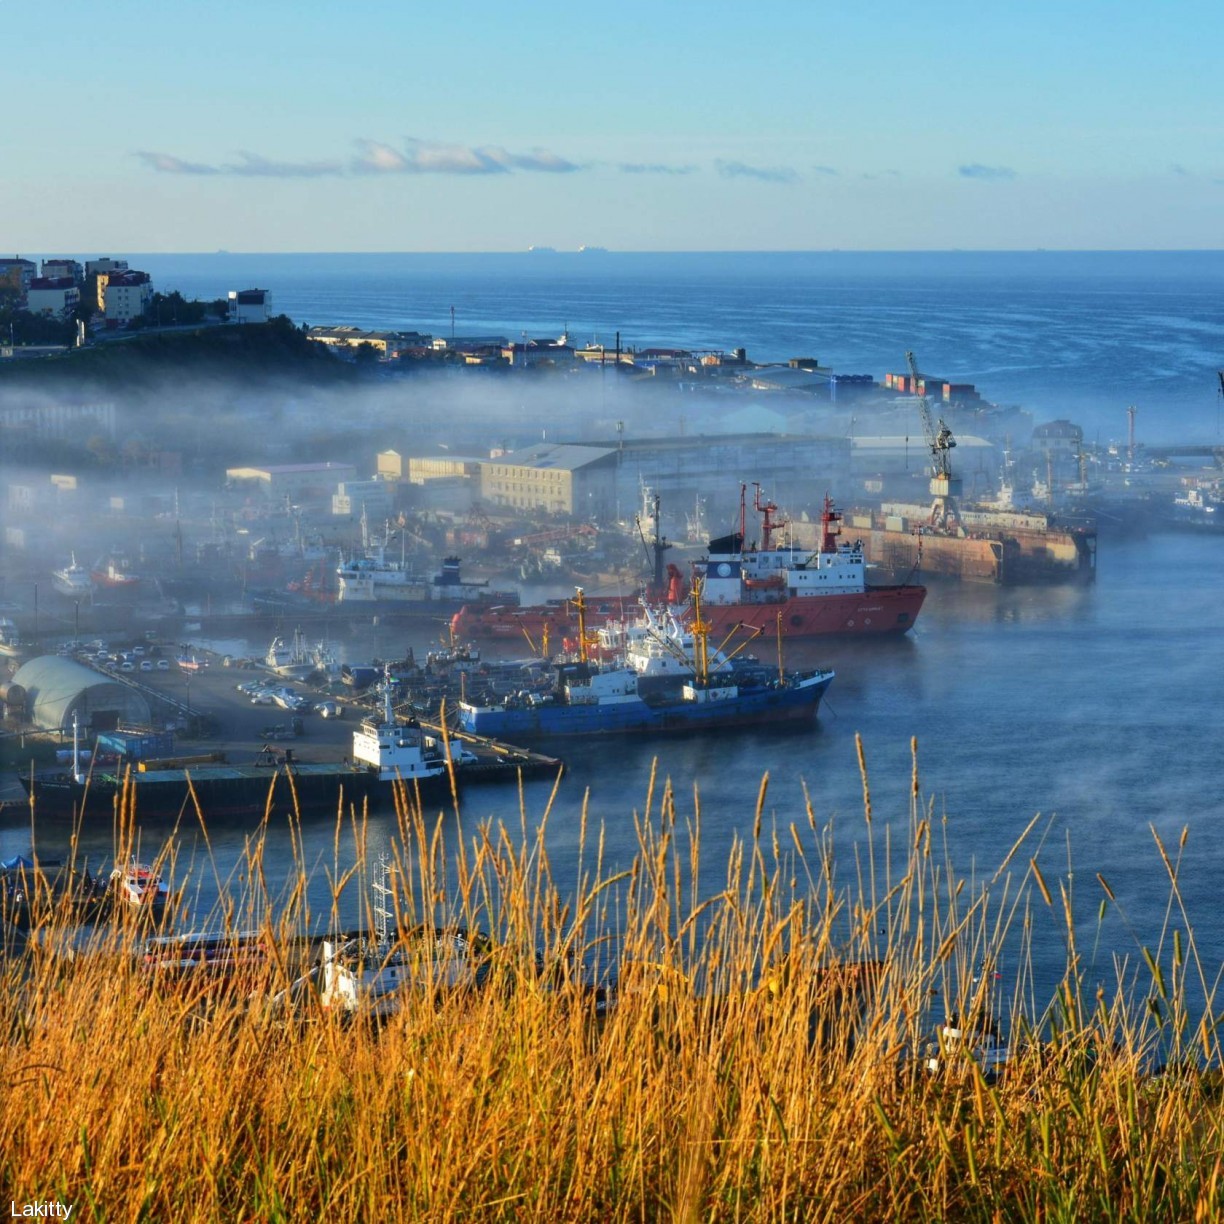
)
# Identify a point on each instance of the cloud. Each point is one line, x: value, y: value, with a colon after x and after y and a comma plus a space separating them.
x: 376, y: 157
x: 826, y: 170
x: 995, y: 174
x: 167, y: 163
x: 653, y: 168
x: 429, y: 157
x: 262, y: 167
x: 767, y: 174
x: 1180, y: 171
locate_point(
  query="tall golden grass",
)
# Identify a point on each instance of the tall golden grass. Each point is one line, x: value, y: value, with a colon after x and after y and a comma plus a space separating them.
x: 765, y: 1056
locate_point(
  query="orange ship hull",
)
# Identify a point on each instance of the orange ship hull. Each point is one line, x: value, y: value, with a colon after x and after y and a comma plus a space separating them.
x: 876, y: 611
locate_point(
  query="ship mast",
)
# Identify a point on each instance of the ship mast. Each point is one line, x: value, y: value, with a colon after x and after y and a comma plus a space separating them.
x: 766, y: 510
x: 945, y: 488
x: 701, y: 639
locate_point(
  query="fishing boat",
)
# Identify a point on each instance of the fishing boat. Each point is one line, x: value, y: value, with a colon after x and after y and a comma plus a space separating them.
x: 590, y: 698
x: 375, y: 583
x: 782, y: 588
x: 292, y: 660
x: 73, y: 580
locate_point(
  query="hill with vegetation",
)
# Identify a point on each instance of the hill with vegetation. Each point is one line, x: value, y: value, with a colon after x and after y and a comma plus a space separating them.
x: 275, y: 350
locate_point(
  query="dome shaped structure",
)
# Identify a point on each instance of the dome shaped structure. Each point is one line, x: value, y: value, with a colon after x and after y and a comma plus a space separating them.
x: 57, y: 688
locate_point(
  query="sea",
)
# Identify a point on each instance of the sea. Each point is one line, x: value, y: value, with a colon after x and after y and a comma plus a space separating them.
x: 1090, y: 713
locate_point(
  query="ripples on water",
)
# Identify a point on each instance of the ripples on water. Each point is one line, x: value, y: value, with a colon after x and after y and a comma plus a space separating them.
x: 1097, y: 707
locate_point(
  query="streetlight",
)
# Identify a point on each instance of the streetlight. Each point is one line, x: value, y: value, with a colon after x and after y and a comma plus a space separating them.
x: 76, y: 623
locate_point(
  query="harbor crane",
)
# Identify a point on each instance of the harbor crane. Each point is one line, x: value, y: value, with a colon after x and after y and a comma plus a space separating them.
x: 945, y: 488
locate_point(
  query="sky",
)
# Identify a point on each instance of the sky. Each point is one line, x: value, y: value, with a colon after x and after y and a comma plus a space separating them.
x: 270, y: 125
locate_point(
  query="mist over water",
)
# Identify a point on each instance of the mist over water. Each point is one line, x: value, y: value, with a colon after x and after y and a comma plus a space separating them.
x: 1065, y: 334
x: 1096, y: 707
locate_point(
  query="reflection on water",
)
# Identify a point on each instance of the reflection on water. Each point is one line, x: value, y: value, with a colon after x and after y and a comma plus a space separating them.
x: 1095, y: 706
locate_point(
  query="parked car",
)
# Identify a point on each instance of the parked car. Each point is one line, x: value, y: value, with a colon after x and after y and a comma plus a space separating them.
x: 261, y: 698
x: 329, y: 709
x: 146, y: 665
x: 163, y: 664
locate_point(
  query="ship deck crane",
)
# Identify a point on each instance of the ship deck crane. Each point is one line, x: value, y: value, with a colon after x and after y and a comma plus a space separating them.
x: 945, y: 488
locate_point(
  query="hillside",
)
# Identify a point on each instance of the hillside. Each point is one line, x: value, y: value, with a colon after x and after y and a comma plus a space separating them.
x: 253, y: 353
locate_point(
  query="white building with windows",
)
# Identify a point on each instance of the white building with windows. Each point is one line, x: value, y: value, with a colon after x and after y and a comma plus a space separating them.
x: 57, y: 296
x: 250, y: 305
x: 128, y: 295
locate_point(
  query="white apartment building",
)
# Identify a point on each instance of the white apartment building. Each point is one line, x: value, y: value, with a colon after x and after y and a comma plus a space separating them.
x: 127, y: 295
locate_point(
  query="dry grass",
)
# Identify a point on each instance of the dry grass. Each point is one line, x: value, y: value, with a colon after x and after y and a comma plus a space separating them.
x: 761, y: 1060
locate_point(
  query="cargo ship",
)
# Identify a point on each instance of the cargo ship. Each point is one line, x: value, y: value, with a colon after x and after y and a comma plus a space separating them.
x: 386, y: 753
x: 792, y: 591
x: 589, y: 698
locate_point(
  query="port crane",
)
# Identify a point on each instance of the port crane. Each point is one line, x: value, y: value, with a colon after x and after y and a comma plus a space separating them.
x: 945, y: 488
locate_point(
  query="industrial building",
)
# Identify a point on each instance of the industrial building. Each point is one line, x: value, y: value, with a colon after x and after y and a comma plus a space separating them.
x: 56, y: 689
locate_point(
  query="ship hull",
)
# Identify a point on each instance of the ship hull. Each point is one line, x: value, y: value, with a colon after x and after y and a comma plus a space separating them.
x: 874, y: 612
x: 509, y: 622
x: 221, y: 792
x: 759, y: 707
x: 1010, y: 559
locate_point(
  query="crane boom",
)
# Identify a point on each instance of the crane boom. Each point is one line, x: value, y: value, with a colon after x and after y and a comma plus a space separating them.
x: 945, y: 488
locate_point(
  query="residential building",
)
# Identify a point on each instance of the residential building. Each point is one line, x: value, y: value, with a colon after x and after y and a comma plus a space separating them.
x: 97, y: 275
x: 250, y: 306
x: 386, y: 344
x: 57, y: 296
x: 17, y: 273
x: 127, y: 296
x: 64, y: 267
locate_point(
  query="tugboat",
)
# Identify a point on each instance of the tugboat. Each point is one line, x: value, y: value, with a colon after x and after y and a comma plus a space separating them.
x: 592, y: 699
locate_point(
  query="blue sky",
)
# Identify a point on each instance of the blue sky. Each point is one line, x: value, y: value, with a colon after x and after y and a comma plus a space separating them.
x: 135, y: 125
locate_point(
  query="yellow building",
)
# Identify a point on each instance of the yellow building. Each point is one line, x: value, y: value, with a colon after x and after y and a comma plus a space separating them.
x: 557, y: 478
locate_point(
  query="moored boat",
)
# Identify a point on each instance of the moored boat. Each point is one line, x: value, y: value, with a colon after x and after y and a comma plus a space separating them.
x: 386, y: 753
x: 589, y: 698
x: 799, y: 592
x: 290, y: 659
x: 73, y: 580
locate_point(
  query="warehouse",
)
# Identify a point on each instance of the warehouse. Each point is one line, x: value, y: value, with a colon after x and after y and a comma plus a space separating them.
x: 58, y: 689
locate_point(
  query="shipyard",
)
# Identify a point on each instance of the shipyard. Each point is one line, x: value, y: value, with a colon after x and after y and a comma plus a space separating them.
x: 874, y: 489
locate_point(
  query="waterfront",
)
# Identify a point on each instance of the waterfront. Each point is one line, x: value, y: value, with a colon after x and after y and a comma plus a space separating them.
x: 1094, y: 706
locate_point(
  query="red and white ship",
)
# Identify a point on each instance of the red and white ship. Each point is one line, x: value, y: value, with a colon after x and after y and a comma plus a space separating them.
x: 800, y: 592
x: 114, y: 570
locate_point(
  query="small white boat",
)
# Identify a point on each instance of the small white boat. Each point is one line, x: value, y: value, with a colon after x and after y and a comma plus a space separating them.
x: 138, y: 885
x: 73, y: 580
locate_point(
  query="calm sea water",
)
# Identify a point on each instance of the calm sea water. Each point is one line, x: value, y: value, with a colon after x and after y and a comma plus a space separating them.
x: 1096, y: 707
